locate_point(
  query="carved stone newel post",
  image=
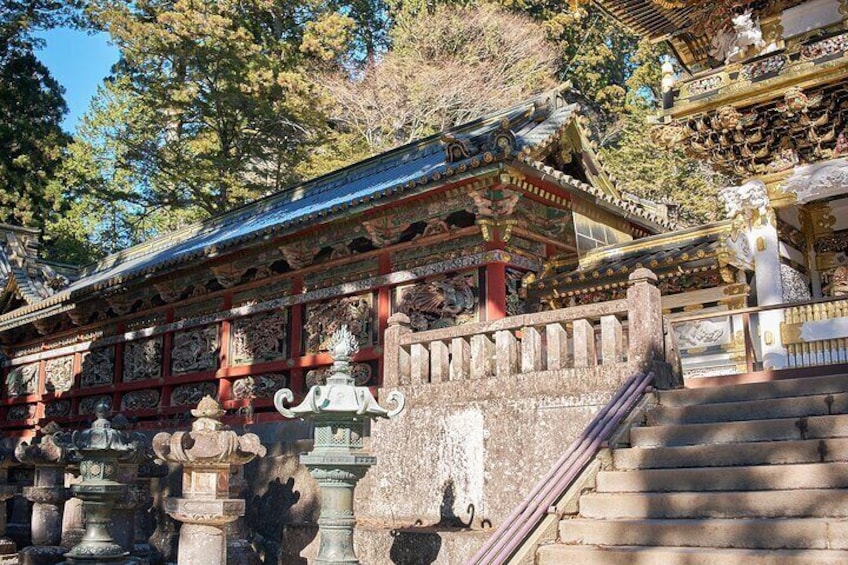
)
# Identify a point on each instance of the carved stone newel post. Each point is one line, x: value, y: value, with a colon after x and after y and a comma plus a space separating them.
x: 207, y: 454
x: 98, y: 449
x: 48, y: 495
x: 337, y: 461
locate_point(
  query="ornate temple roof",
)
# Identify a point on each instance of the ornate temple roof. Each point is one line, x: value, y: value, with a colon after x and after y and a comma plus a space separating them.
x: 681, y: 254
x: 515, y: 137
x: 24, y: 278
x: 689, y: 25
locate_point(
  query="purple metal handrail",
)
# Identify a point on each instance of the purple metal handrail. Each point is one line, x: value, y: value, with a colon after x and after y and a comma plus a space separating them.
x: 515, y: 528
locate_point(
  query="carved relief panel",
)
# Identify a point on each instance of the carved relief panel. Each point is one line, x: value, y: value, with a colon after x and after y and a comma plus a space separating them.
x: 321, y: 319
x: 259, y: 386
x: 142, y: 360
x: 361, y: 373
x: 22, y: 380
x: 195, y: 350
x: 98, y: 367
x: 192, y: 393
x: 446, y: 301
x: 140, y: 400
x: 259, y: 338
x: 87, y: 404
x: 57, y: 409
x: 59, y: 374
x: 21, y: 412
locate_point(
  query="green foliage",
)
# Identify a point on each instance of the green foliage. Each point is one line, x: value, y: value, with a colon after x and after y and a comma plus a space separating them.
x: 649, y: 171
x: 456, y: 64
x: 215, y: 103
x: 31, y: 111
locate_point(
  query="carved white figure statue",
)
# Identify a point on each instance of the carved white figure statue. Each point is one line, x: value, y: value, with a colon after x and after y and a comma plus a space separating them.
x: 733, y: 44
x: 745, y: 199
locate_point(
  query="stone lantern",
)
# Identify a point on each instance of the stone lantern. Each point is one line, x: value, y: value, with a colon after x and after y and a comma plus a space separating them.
x: 7, y: 491
x: 338, y: 461
x: 48, y: 495
x: 207, y: 454
x: 99, y: 449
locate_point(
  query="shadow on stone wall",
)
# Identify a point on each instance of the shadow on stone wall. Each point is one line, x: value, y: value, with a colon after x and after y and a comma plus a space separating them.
x: 411, y: 547
x: 269, y: 514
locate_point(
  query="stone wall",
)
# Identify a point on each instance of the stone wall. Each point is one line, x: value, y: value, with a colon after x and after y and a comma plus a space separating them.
x: 450, y: 468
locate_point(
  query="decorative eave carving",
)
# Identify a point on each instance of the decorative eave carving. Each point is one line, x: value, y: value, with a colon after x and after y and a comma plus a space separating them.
x: 228, y: 275
x: 170, y: 291
x: 298, y: 255
x: 122, y: 304
x: 383, y: 231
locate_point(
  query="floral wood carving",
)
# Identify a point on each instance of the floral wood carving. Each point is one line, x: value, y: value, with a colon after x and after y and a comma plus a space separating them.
x: 195, y: 350
x: 441, y: 303
x: 361, y: 373
x: 170, y: 291
x: 57, y: 409
x: 259, y: 386
x: 192, y: 393
x: 22, y: 380
x: 324, y: 318
x: 142, y: 359
x: 140, y: 400
x: 21, y: 412
x: 59, y: 374
x: 259, y: 338
x: 89, y: 403
x: 98, y: 367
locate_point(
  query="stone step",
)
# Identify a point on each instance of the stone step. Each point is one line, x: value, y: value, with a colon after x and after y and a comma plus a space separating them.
x: 770, y: 408
x: 814, y: 427
x: 724, y: 455
x: 779, y: 533
x: 800, y: 503
x: 762, y: 477
x: 559, y: 554
x: 774, y: 389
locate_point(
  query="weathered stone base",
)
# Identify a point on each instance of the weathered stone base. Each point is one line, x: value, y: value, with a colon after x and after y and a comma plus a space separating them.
x: 42, y: 555
x: 384, y: 546
x: 239, y: 552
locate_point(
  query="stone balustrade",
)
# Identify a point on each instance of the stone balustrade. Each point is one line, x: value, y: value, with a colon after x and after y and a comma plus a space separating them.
x: 628, y: 330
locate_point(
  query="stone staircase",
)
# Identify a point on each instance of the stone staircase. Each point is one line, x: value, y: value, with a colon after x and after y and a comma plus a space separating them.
x: 751, y: 474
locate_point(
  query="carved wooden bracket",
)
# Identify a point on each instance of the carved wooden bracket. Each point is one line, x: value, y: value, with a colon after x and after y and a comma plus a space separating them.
x: 170, y: 291
x: 298, y: 255
x: 383, y: 232
x: 228, y: 275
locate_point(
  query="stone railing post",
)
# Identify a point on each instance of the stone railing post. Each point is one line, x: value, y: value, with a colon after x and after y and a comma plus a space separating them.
x: 48, y: 495
x: 645, y: 321
x: 207, y: 453
x: 396, y: 361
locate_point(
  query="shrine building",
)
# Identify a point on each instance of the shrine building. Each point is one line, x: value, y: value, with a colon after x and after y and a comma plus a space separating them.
x: 527, y: 307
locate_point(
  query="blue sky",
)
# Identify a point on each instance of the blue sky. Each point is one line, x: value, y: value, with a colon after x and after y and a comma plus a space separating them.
x: 79, y: 61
